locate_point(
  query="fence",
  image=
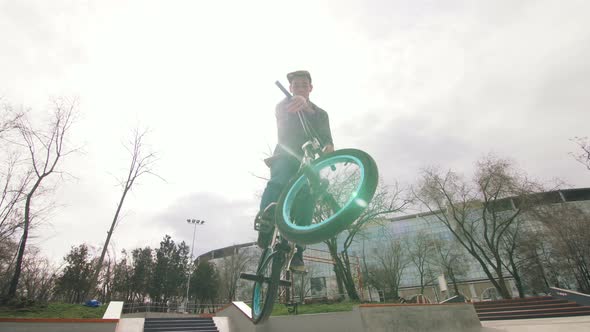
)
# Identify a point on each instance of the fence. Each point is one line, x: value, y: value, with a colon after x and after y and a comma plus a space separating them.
x: 171, y: 307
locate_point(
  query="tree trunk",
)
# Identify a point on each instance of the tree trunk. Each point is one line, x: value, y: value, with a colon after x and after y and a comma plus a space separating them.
x: 339, y: 282
x: 349, y: 284
x: 23, y: 242
x: 501, y: 285
x: 517, y: 278
x: 94, y: 279
x: 348, y: 278
x: 343, y: 275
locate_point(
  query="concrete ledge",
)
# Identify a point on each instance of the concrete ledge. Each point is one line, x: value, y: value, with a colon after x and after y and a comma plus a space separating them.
x: 107, y: 324
x: 345, y: 321
x: 57, y: 325
x: 58, y: 320
x: 366, y: 317
x: 419, y: 317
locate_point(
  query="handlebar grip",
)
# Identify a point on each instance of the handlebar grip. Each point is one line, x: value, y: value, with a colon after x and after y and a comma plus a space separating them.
x: 287, y: 93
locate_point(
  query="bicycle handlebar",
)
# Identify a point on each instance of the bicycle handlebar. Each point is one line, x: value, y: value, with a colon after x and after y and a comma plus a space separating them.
x: 287, y: 93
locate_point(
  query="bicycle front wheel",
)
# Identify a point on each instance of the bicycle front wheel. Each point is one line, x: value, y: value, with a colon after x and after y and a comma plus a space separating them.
x: 267, y: 286
x: 327, y: 197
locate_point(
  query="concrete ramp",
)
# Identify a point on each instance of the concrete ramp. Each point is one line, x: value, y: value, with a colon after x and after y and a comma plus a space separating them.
x: 460, y: 317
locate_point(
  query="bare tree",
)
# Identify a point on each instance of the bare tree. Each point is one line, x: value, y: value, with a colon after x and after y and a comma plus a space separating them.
x: 513, y: 260
x: 387, y: 201
x: 479, y: 214
x: 8, y: 248
x: 39, y: 276
x: 420, y: 249
x: 582, y: 156
x: 142, y: 162
x: 12, y: 193
x: 389, y: 260
x: 12, y: 196
x: 450, y: 257
x: 540, y: 261
x: 45, y: 149
x: 229, y: 272
x: 302, y: 284
x: 568, y: 233
x: 9, y: 119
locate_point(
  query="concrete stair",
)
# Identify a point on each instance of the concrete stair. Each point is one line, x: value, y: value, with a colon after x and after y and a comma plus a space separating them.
x: 527, y: 308
x: 174, y: 324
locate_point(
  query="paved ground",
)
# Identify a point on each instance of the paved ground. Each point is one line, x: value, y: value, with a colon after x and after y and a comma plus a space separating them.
x: 568, y: 324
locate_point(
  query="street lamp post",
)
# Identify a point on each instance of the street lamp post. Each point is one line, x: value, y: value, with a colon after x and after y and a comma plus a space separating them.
x: 195, y: 222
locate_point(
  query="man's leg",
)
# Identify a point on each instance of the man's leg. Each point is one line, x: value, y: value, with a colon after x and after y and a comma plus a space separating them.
x: 303, y: 217
x: 281, y: 171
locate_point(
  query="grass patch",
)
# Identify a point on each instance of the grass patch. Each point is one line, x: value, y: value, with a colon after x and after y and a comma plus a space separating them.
x: 53, y: 310
x: 316, y: 308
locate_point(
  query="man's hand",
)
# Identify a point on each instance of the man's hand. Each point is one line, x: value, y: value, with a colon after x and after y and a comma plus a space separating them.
x: 328, y: 148
x: 297, y: 103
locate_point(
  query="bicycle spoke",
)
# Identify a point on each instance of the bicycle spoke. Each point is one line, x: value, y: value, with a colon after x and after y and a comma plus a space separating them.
x: 338, y: 188
x: 332, y: 203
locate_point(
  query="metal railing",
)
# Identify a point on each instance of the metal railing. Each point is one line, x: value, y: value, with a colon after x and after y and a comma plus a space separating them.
x: 171, y: 307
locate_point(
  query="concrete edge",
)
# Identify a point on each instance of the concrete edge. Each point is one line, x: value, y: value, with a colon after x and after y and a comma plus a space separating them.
x: 369, y: 305
x: 60, y: 320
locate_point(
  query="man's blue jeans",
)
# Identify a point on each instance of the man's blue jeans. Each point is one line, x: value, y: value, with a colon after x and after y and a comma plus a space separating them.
x: 282, y: 171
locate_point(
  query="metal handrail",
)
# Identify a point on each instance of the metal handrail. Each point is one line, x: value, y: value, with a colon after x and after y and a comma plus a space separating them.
x: 171, y: 307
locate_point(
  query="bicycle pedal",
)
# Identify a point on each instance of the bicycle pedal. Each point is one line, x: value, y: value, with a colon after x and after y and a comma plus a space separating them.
x: 251, y: 277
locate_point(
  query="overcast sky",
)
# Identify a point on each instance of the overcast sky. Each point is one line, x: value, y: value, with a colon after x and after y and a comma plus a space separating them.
x: 414, y: 83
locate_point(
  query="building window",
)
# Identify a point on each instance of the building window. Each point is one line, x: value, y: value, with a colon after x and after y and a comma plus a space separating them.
x: 318, y: 287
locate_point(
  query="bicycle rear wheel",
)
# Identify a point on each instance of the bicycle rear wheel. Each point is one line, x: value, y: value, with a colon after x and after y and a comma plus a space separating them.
x: 342, y: 184
x: 267, y: 286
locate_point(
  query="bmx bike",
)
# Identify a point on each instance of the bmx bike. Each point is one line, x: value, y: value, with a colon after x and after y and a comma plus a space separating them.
x: 341, y: 184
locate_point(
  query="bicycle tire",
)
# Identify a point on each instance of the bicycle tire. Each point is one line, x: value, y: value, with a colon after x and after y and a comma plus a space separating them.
x: 353, y: 207
x: 263, y: 299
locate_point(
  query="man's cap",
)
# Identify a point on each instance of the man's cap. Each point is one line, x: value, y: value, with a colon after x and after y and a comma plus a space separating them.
x: 299, y: 73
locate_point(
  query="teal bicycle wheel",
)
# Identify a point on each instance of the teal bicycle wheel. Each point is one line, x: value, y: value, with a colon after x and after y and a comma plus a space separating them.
x: 267, y: 284
x: 324, y: 199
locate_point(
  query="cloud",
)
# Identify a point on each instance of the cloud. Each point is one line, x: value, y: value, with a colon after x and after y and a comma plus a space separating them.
x: 414, y: 83
x: 410, y: 142
x: 227, y: 221
x: 466, y: 80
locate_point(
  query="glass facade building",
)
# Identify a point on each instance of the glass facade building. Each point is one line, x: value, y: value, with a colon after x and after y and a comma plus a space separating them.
x: 371, y: 246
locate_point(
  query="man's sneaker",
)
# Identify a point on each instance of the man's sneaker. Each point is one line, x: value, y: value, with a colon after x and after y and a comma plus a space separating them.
x: 296, y: 264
